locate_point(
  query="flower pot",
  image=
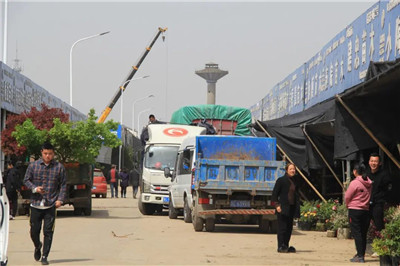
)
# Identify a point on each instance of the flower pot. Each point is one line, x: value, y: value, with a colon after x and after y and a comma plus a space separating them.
x: 305, y: 226
x: 343, y: 233
x: 395, y: 260
x: 385, y: 260
x: 331, y: 233
x: 320, y: 227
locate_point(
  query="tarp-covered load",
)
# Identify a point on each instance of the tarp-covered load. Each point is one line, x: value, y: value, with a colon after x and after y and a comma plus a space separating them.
x: 186, y: 115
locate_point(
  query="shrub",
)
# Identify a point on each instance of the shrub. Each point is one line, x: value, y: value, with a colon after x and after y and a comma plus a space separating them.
x: 388, y: 243
x: 339, y: 217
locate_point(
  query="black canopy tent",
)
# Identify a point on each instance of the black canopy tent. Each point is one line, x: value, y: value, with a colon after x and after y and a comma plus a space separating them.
x: 334, y: 131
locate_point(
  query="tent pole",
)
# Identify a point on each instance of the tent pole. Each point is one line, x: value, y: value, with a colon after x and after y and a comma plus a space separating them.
x: 368, y: 131
x: 322, y: 156
x: 288, y: 158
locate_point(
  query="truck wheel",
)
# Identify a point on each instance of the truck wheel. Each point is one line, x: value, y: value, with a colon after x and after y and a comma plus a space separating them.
x: 97, y: 195
x: 104, y: 195
x: 145, y: 208
x: 210, y: 225
x: 198, y: 223
x: 263, y: 225
x: 88, y: 210
x: 172, y: 212
x: 187, y: 212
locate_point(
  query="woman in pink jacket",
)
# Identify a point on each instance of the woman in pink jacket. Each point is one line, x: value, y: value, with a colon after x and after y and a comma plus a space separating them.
x: 357, y: 200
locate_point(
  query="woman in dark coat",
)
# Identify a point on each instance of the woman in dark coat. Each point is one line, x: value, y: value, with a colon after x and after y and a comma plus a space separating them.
x: 287, y: 204
x: 124, y: 177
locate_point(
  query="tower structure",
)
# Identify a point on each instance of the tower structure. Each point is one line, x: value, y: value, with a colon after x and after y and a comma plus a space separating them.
x: 211, y: 74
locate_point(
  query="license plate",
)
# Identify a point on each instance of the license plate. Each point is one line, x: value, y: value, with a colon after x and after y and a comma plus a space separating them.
x: 166, y: 200
x: 94, y: 188
x: 240, y: 203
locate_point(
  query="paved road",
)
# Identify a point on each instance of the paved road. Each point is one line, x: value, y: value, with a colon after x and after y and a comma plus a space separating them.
x: 117, y: 234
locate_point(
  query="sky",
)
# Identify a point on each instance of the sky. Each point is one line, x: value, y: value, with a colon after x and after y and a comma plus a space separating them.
x: 259, y: 43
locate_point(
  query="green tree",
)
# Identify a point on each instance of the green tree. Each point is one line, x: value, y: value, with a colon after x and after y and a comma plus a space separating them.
x: 30, y: 137
x: 73, y: 141
x: 81, y: 141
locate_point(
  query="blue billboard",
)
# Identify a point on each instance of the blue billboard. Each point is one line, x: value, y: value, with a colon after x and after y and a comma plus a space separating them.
x: 341, y: 64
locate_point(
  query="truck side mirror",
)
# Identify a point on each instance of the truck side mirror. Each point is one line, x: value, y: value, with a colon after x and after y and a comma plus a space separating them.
x: 167, y: 172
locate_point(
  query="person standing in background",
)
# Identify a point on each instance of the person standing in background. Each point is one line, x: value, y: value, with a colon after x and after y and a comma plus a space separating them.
x: 134, y: 177
x: 287, y: 207
x: 12, y: 186
x: 124, y: 177
x: 113, y: 179
x: 357, y: 198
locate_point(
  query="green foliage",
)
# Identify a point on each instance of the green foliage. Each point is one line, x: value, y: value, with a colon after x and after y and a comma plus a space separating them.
x: 81, y: 141
x: 325, y: 210
x: 388, y: 243
x: 308, y: 212
x: 73, y: 141
x: 339, y: 217
x: 29, y: 136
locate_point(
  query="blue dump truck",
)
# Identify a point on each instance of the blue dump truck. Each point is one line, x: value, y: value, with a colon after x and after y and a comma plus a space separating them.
x: 233, y: 181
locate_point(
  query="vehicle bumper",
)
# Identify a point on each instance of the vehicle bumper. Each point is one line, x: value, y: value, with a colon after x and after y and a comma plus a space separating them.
x: 155, y: 198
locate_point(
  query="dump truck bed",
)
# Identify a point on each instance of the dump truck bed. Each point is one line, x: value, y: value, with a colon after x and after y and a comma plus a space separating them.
x: 227, y: 164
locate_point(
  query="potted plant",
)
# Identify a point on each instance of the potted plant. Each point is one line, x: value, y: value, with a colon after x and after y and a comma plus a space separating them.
x: 308, y: 215
x: 340, y: 222
x: 324, y: 213
x: 387, y: 245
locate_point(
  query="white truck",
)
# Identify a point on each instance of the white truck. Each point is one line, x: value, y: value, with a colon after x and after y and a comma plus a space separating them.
x: 160, y: 152
x: 180, y: 191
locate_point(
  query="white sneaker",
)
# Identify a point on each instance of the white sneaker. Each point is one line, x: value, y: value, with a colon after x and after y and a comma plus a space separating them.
x: 11, y: 217
x: 374, y: 255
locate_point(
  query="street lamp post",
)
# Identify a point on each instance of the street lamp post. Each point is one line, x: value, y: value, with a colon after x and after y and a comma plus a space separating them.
x: 70, y: 61
x: 138, y: 124
x: 121, y: 116
x: 133, y: 109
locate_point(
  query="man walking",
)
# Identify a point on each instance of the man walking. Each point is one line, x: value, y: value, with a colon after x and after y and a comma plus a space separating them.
x: 46, y: 178
x: 12, y: 185
x: 113, y: 176
x: 134, y: 180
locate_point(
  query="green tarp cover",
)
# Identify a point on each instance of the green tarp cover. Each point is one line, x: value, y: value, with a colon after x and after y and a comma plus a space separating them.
x: 187, y: 114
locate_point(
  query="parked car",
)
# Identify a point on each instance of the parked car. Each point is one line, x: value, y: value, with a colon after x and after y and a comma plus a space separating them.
x: 99, y: 184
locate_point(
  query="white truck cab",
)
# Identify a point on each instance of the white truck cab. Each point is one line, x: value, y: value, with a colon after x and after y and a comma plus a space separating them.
x: 160, y: 152
x: 180, y: 190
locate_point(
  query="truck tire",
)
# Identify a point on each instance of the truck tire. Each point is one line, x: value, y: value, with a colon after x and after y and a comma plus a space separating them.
x: 145, y: 208
x: 88, y: 210
x: 104, y: 195
x: 198, y: 223
x: 187, y: 212
x: 172, y: 212
x: 210, y: 225
x: 263, y: 225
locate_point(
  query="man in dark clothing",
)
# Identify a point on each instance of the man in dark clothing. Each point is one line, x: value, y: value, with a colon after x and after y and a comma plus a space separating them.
x: 287, y: 206
x: 47, y: 180
x: 380, y: 187
x: 12, y: 185
x: 134, y: 177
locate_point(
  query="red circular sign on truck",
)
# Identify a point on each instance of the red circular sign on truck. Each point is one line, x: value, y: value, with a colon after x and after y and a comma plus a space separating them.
x: 175, y: 132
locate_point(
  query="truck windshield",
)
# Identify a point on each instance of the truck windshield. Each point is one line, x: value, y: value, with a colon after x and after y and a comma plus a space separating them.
x: 159, y: 157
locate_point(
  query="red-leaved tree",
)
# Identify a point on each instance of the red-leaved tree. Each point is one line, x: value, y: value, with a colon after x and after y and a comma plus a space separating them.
x: 42, y: 119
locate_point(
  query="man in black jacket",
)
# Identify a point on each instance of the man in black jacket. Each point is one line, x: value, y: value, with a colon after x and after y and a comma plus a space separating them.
x: 13, y: 183
x: 381, y: 186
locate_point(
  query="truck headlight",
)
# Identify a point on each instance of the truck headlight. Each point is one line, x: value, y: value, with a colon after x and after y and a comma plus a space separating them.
x: 146, y: 187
